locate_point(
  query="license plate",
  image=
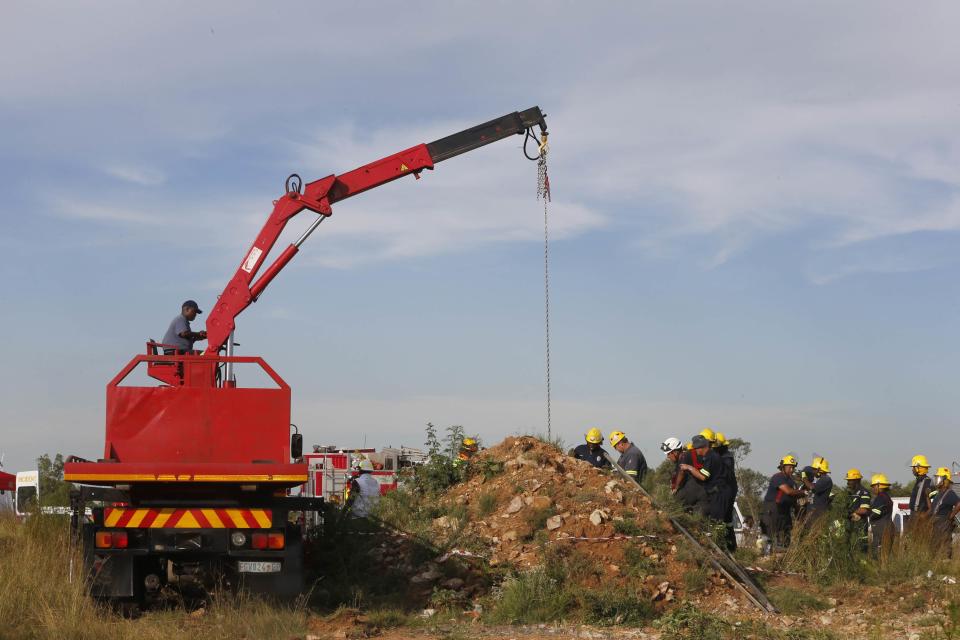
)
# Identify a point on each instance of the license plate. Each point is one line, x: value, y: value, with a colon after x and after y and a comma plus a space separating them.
x: 244, y: 566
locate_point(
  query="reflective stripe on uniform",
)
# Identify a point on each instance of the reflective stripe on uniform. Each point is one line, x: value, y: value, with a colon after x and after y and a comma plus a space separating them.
x: 631, y: 473
x: 705, y: 472
x: 876, y: 511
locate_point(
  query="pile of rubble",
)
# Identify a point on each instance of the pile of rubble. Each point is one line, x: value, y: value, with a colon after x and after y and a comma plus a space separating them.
x: 524, y: 495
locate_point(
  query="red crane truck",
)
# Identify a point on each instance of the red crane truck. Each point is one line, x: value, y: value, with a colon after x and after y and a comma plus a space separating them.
x: 193, y: 484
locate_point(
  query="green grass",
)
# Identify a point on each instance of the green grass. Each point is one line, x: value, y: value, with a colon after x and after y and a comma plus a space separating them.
x: 40, y: 598
x: 688, y: 621
x: 531, y: 597
x: 486, y: 504
x: 796, y: 601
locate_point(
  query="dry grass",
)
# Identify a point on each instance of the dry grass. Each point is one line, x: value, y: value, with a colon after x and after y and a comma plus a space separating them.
x: 40, y: 597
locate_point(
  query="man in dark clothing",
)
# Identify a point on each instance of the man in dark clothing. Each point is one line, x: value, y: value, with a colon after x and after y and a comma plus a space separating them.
x: 881, y: 509
x: 808, y: 475
x: 728, y: 488
x: 687, y: 490
x: 673, y: 448
x: 631, y: 458
x: 709, y: 473
x: 822, y: 491
x: 591, y: 451
x: 778, y: 502
x: 858, y: 510
x: 920, y: 495
x: 945, y: 506
x: 179, y: 337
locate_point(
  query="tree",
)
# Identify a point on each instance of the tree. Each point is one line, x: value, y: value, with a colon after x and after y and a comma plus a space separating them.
x: 54, y: 491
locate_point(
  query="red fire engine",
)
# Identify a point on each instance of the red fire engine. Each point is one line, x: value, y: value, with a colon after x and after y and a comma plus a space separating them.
x: 194, y: 478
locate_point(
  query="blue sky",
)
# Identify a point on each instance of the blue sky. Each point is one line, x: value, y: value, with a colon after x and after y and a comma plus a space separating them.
x: 755, y: 216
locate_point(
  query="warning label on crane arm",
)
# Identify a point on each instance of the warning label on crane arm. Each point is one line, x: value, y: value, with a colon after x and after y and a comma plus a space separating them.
x: 252, y: 259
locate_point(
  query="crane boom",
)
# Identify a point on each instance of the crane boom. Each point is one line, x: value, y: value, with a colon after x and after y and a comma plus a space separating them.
x: 245, y: 287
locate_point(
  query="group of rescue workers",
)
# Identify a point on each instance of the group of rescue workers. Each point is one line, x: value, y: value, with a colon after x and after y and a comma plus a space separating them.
x: 704, y: 481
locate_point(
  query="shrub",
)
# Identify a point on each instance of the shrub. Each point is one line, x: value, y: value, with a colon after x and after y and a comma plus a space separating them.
x: 530, y: 597
x: 687, y: 621
x: 615, y: 607
x: 486, y: 504
x: 626, y: 527
x: 796, y: 601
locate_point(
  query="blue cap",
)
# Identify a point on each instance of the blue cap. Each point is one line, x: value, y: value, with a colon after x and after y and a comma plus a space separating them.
x: 191, y: 304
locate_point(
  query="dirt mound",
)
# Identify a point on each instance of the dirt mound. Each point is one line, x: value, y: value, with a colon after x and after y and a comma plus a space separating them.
x: 525, y: 498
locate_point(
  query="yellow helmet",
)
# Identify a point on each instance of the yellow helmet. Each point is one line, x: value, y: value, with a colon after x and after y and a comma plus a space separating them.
x: 709, y: 435
x: 470, y: 444
x: 943, y: 472
x: 594, y: 436
x: 879, y: 478
x: 821, y: 464
x: 854, y: 474
x: 920, y: 461
x: 788, y: 459
x: 688, y: 446
x: 722, y: 440
x: 616, y: 436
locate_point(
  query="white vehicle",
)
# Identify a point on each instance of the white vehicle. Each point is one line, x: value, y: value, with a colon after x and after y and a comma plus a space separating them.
x: 28, y: 492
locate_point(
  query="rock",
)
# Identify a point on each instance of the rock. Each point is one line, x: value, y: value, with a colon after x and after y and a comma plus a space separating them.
x: 617, y: 496
x: 610, y: 486
x: 554, y: 522
x: 510, y: 536
x: 310, y: 636
x: 613, y: 568
x: 826, y: 620
x: 443, y: 522
x: 541, y: 502
x: 599, y: 516
x: 428, y: 613
x: 199, y: 613
x: 426, y: 577
x: 454, y: 584
x: 515, y: 505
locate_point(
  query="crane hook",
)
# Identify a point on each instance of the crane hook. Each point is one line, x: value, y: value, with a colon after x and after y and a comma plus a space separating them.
x: 294, y: 184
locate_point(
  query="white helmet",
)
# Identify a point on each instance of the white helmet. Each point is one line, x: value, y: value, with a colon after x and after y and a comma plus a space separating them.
x: 671, y: 444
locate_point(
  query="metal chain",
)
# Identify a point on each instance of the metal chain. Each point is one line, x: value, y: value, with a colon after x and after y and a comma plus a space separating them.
x: 543, y: 193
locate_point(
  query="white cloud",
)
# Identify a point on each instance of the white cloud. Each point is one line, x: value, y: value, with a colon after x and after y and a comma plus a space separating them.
x: 143, y: 176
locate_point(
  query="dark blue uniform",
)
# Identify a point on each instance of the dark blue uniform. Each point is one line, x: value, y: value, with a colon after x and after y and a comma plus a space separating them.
x: 859, y: 499
x: 594, y: 454
x: 880, y: 511
x: 778, y: 507
x: 822, y: 496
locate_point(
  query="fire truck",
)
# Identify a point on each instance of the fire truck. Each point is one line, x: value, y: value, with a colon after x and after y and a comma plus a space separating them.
x: 193, y: 485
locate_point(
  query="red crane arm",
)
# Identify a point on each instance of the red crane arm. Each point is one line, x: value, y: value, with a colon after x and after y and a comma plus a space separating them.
x: 317, y: 196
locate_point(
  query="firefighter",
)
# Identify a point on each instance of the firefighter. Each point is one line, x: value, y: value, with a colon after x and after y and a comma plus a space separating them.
x: 945, y: 505
x: 364, y: 492
x: 468, y: 448
x: 920, y: 495
x: 881, y: 509
x: 822, y: 490
x: 709, y: 474
x: 631, y: 458
x: 691, y: 494
x: 808, y: 475
x: 858, y: 510
x: 673, y: 449
x: 591, y: 451
x: 778, y: 502
x: 729, y: 488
